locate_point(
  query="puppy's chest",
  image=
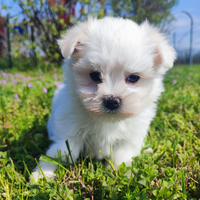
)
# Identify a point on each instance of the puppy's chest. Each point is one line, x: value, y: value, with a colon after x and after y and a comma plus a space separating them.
x: 97, y: 141
x: 101, y: 135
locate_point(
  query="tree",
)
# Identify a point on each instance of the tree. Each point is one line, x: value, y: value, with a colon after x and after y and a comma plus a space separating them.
x: 157, y: 12
x: 48, y: 19
x: 2, y: 35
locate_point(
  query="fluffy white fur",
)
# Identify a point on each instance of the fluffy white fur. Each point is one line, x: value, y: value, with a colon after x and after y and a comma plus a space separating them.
x: 117, y: 48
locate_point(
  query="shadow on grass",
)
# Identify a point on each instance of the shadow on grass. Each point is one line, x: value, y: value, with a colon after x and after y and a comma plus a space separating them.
x: 29, y: 145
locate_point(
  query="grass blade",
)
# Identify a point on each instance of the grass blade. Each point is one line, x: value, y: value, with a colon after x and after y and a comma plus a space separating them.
x: 159, y: 157
x: 174, y: 148
x: 51, y: 160
x: 110, y: 163
x: 183, y: 183
x: 32, y: 179
x: 68, y: 148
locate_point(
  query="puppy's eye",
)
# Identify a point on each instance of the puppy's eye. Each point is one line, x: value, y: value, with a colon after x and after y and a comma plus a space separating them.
x: 133, y: 78
x: 96, y: 77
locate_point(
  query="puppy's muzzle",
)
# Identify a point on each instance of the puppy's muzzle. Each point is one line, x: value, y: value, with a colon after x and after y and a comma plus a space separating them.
x: 111, y: 103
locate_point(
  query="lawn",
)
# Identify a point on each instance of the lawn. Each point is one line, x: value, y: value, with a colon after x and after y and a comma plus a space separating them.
x: 172, y: 171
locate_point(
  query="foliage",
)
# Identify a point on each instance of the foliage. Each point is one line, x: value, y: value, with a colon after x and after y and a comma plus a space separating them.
x: 2, y: 34
x: 157, y: 12
x: 45, y: 22
x: 172, y: 171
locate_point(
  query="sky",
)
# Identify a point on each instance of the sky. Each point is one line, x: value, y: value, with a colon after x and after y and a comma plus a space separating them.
x: 180, y: 29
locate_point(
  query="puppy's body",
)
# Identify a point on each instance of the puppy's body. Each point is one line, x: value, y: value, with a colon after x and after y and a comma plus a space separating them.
x: 102, y: 104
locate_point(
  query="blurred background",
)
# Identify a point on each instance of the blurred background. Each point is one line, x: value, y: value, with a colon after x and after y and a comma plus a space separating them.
x: 29, y: 29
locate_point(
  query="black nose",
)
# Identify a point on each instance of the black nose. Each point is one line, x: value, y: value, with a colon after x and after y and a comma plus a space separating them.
x: 111, y: 103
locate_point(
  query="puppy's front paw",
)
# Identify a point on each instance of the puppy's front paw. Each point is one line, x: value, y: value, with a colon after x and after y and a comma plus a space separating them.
x: 36, y: 175
x: 47, y: 169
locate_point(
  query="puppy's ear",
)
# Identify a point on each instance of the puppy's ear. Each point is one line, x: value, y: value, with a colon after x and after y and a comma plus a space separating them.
x: 164, y: 53
x: 71, y: 42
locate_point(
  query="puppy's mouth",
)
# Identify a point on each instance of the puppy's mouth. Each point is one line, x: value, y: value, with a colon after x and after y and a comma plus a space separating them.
x: 111, y: 104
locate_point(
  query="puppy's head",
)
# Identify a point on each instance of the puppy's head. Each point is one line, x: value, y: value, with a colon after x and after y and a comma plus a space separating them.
x: 117, y: 64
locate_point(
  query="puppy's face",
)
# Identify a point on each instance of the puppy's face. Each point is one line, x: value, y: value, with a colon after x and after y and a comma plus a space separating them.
x: 110, y: 85
x: 117, y: 64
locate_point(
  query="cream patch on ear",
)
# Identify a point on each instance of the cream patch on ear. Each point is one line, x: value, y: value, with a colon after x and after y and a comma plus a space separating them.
x: 77, y: 50
x: 67, y: 47
x: 158, y: 58
x: 71, y: 42
x: 165, y: 52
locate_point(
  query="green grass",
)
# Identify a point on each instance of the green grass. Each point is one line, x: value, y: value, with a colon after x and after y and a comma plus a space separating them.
x: 172, y: 171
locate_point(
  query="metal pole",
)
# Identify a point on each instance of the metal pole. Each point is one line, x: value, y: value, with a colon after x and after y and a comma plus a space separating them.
x: 174, y: 40
x: 9, y: 45
x: 191, y: 34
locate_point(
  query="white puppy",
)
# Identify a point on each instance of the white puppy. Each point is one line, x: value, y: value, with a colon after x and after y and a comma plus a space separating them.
x: 112, y: 82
